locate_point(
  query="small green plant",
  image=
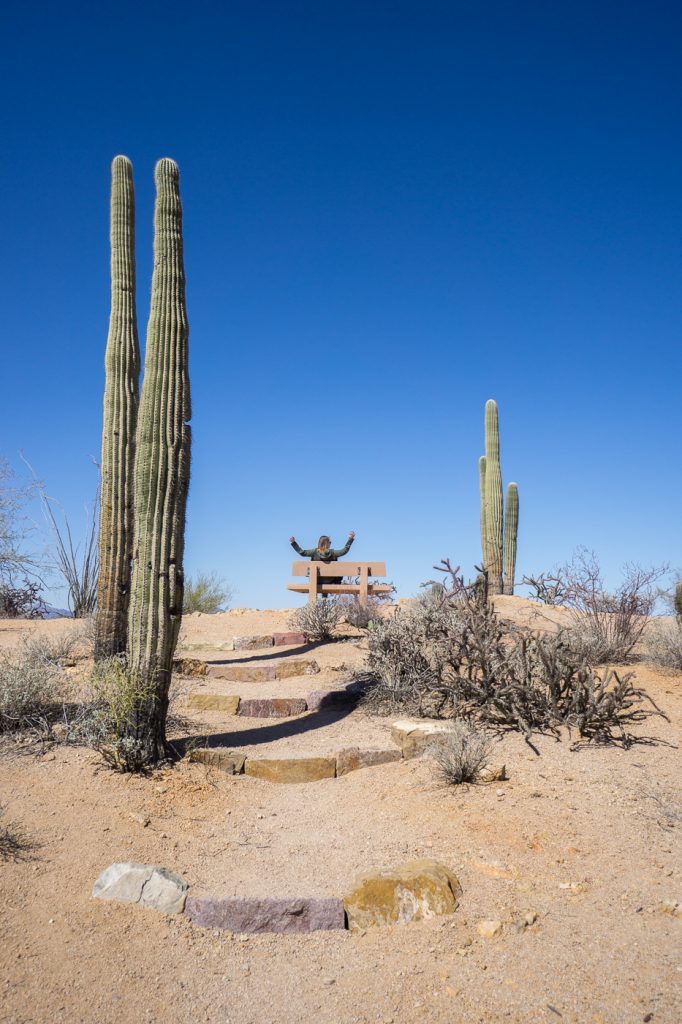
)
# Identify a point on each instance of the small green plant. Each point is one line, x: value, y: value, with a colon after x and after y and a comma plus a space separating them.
x: 111, y: 724
x: 207, y: 593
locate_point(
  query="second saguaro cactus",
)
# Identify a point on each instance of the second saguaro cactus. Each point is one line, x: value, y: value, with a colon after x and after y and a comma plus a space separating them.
x: 122, y: 371
x: 162, y: 462
x: 498, y: 531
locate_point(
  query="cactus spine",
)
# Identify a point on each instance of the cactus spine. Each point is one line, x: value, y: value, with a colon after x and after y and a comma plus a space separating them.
x: 511, y: 529
x: 498, y: 533
x: 122, y: 371
x: 162, y: 461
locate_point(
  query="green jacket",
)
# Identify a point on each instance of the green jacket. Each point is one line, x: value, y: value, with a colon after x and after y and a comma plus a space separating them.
x: 323, y: 556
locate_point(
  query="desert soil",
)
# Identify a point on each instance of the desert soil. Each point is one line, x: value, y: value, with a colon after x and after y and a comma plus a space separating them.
x: 588, y: 839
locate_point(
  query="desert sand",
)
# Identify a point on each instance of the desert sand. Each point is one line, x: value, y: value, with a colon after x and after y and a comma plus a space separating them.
x: 586, y: 839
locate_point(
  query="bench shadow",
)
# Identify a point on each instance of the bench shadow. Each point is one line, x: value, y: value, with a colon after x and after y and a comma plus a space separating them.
x: 266, y: 733
x: 272, y: 652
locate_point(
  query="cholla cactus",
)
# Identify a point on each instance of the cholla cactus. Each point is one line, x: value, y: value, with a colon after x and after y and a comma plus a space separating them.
x: 162, y: 462
x: 498, y: 536
x: 122, y: 370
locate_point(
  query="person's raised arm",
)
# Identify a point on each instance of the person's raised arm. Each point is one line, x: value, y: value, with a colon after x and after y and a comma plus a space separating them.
x: 306, y: 553
x: 346, y: 548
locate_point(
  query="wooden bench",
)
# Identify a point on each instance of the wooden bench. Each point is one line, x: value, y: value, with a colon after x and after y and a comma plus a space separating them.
x: 316, y: 572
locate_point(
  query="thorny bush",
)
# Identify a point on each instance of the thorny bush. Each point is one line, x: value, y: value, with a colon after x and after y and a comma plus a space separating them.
x: 319, y: 619
x: 460, y: 753
x: 451, y: 656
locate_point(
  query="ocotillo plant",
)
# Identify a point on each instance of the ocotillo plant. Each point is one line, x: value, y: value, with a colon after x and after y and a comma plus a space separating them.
x: 162, y: 461
x: 498, y: 537
x: 122, y: 371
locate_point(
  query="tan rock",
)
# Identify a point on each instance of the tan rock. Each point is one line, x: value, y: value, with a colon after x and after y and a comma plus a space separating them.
x: 413, y: 736
x: 189, y: 667
x: 213, y: 702
x: 489, y: 929
x: 219, y: 757
x: 353, y: 758
x: 243, y: 673
x: 671, y: 907
x: 252, y: 643
x: 291, y: 769
x: 492, y: 773
x: 415, y: 891
x: 297, y: 667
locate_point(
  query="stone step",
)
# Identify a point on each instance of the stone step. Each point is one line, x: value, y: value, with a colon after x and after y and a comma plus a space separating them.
x: 256, y: 642
x: 291, y: 770
x: 263, y: 673
x: 257, y: 707
x: 254, y: 916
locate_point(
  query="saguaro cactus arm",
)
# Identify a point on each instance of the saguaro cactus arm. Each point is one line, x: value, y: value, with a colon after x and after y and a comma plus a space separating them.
x: 494, y: 513
x: 122, y: 371
x: 161, y: 469
x: 511, y: 529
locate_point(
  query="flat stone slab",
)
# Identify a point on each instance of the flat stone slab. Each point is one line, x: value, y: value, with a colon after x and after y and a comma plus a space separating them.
x: 291, y: 769
x: 190, y: 667
x: 353, y: 758
x: 208, y: 645
x: 213, y: 702
x: 415, y: 891
x: 219, y: 757
x: 272, y: 707
x: 146, y: 884
x: 413, y: 736
x: 266, y: 915
x: 252, y: 643
x: 289, y: 639
x: 264, y: 673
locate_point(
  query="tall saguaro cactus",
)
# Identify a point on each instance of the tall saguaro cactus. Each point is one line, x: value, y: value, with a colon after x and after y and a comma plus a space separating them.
x: 498, y: 531
x: 162, y: 461
x: 122, y: 371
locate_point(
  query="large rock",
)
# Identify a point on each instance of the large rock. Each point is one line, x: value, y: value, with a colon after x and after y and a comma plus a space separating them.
x: 146, y: 884
x: 213, y: 702
x: 291, y: 769
x: 219, y: 757
x: 415, y: 891
x: 353, y: 758
x: 272, y: 707
x: 289, y: 639
x: 190, y: 667
x: 266, y: 915
x: 414, y: 736
x: 251, y: 643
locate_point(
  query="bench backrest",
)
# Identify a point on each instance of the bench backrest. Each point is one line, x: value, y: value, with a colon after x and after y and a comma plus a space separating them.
x: 339, y: 568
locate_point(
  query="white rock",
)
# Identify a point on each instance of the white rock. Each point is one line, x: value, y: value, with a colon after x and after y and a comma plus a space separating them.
x: 146, y: 884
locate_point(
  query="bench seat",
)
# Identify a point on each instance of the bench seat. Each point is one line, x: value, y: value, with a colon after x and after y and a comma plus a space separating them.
x: 316, y: 573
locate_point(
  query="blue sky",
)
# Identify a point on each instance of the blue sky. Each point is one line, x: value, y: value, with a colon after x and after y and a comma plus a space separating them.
x: 393, y: 211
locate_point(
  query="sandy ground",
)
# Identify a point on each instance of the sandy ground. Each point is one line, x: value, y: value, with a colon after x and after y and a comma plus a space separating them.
x: 588, y: 839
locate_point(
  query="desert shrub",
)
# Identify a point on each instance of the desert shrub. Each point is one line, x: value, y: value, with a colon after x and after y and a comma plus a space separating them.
x: 207, y: 593
x: 318, y: 620
x: 460, y: 753
x: 607, y: 625
x: 108, y: 722
x: 664, y: 644
x: 31, y: 681
x: 449, y: 655
x: 359, y: 615
x: 20, y: 600
x: 547, y: 587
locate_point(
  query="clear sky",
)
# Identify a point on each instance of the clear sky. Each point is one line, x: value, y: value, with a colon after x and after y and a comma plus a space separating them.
x: 393, y: 211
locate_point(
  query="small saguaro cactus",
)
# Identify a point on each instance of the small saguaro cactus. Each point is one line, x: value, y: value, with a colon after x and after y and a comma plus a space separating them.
x: 122, y: 371
x: 162, y: 461
x: 498, y: 534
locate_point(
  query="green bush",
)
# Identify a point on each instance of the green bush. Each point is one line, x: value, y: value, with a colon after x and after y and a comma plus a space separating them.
x: 207, y: 593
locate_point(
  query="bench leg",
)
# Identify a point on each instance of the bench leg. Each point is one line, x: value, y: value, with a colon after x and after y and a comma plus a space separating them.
x: 364, y: 587
x: 312, y: 585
